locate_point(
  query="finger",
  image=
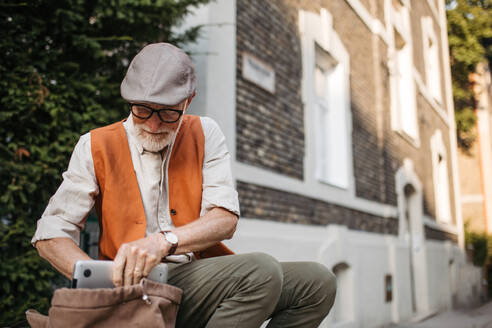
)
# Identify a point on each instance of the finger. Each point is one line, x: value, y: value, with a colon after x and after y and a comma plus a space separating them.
x: 131, y: 260
x: 139, y: 267
x: 118, y: 266
x: 150, y: 262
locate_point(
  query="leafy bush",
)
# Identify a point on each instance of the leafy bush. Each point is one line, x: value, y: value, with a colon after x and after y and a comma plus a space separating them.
x: 470, y: 42
x: 61, y: 65
x: 479, y: 244
x: 489, y: 279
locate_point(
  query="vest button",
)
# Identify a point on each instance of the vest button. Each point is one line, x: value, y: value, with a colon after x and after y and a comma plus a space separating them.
x: 173, y: 211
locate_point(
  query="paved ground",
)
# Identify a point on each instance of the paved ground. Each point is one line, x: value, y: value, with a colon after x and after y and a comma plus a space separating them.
x: 475, y: 318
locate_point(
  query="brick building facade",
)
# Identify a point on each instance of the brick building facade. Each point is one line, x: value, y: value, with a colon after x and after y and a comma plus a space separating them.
x: 270, y: 127
x: 339, y: 119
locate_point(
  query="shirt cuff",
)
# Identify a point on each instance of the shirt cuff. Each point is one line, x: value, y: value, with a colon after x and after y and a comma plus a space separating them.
x: 50, y: 227
x: 224, y: 197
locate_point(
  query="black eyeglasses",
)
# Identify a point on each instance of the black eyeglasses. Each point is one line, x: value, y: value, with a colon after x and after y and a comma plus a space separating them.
x: 166, y: 115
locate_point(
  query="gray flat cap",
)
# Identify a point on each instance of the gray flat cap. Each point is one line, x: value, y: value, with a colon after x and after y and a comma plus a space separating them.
x: 160, y: 73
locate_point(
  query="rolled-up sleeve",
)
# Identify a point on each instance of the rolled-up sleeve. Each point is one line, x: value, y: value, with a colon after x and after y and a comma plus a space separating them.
x: 68, y: 208
x: 218, y: 185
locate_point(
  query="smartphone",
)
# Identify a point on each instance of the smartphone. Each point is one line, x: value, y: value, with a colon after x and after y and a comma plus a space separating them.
x: 97, y: 274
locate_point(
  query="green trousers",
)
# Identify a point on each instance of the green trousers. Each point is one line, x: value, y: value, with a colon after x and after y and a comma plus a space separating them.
x: 239, y: 291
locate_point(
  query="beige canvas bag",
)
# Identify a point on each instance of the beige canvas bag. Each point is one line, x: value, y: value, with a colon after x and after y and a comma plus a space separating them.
x: 148, y: 304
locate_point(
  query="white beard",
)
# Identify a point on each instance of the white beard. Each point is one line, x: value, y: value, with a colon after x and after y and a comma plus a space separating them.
x: 154, y: 142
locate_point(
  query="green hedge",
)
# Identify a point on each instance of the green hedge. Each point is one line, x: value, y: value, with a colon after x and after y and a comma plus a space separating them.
x: 469, y: 25
x: 479, y: 244
x: 61, y: 65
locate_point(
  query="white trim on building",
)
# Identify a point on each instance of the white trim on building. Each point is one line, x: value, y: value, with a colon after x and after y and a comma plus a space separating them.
x: 374, y: 24
x: 411, y: 232
x: 424, y: 91
x: 472, y: 198
x: 432, y: 5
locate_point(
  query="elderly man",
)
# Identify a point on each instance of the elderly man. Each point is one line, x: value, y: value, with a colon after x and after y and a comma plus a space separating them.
x: 163, y: 190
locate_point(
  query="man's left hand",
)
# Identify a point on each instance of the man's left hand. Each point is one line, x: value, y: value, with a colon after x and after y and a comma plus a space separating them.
x: 136, y: 259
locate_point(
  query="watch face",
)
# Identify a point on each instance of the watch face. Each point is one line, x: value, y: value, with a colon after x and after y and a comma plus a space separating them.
x: 172, y: 238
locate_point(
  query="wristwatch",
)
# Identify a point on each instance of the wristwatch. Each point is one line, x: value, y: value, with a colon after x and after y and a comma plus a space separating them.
x: 172, y: 239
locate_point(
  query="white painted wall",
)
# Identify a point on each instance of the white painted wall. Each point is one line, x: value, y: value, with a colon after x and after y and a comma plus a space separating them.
x: 214, y: 56
x: 402, y: 307
x: 438, y: 257
x: 370, y: 257
x: 468, y: 280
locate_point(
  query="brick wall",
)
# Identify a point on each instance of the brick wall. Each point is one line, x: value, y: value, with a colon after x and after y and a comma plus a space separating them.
x: 270, y: 127
x: 277, y: 205
x: 435, y: 234
x: 378, y: 150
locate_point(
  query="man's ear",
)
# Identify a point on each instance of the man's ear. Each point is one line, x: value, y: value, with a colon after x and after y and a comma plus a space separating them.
x: 189, y: 99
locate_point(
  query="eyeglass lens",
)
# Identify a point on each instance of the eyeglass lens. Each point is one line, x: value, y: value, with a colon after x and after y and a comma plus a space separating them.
x: 165, y: 114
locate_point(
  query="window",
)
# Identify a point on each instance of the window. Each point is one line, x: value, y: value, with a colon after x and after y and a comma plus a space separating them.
x: 403, y: 103
x: 331, y: 122
x: 327, y: 112
x: 431, y: 55
x: 440, y: 178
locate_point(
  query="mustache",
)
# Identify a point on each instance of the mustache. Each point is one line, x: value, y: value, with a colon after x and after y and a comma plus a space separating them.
x: 162, y: 130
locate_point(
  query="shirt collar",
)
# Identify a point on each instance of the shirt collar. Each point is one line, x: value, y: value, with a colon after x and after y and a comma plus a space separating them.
x: 132, y: 132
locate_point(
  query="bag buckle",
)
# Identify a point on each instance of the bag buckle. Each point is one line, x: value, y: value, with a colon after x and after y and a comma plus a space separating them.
x: 146, y: 299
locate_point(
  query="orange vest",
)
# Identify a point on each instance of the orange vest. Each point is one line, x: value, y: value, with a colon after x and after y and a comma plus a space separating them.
x: 119, y: 204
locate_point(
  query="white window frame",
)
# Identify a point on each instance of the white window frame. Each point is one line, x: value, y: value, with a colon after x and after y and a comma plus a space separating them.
x: 404, y: 117
x: 432, y: 62
x: 328, y: 122
x: 440, y: 177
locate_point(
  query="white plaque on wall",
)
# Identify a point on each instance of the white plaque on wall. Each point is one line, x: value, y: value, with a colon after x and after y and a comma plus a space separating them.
x: 256, y: 71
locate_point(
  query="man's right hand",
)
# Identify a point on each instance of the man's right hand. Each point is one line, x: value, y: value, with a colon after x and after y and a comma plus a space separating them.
x: 136, y: 259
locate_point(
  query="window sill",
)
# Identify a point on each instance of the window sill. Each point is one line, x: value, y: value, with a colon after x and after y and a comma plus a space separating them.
x: 410, y: 140
x: 446, y: 227
x: 331, y: 184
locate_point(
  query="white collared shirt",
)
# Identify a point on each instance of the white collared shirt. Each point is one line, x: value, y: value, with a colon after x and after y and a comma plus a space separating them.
x: 68, y: 208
